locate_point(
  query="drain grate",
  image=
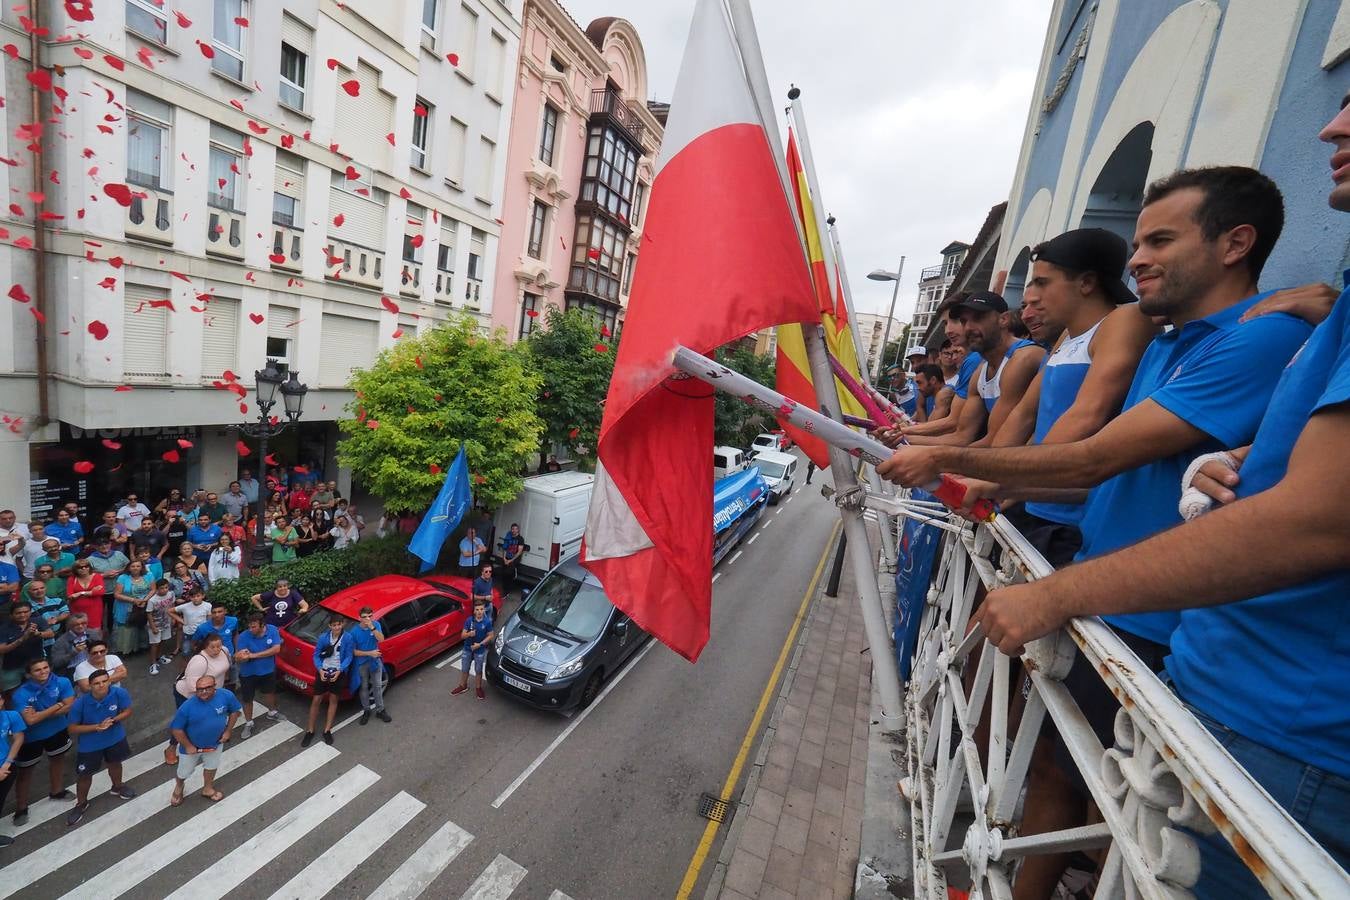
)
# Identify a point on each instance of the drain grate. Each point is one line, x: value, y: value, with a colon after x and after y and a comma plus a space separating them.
x: 714, y: 808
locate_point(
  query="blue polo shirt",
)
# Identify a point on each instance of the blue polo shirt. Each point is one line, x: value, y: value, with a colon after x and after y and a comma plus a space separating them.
x: 208, y: 535
x: 226, y: 631
x: 967, y: 372
x: 203, y: 721
x: 68, y: 534
x: 480, y: 631
x: 9, y: 574
x: 260, y: 643
x: 11, y: 723
x: 31, y: 695
x: 1274, y: 668
x: 88, y: 711
x: 365, y: 640
x: 1215, y: 374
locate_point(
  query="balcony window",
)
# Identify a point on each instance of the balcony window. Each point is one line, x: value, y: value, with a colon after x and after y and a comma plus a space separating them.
x: 227, y: 38
x: 597, y: 258
x: 147, y: 20
x: 628, y: 273
x: 602, y: 315
x: 610, y: 172
x: 548, y: 134
x: 225, y: 169
x: 538, y: 224
x: 429, y: 14
x: 294, y: 68
x: 148, y: 129
x: 639, y: 195
x: 421, y: 130
x: 445, y: 256
x: 529, y: 314
x: 477, y: 249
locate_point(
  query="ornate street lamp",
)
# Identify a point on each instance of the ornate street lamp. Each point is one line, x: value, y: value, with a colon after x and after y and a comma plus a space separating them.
x: 269, y: 380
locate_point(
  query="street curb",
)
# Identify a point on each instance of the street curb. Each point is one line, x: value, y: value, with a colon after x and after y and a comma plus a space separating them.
x: 747, y: 797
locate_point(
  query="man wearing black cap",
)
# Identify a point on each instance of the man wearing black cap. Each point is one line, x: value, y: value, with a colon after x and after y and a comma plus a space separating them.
x: 998, y: 384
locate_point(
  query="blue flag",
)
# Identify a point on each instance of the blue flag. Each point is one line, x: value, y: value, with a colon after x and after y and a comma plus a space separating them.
x: 444, y: 516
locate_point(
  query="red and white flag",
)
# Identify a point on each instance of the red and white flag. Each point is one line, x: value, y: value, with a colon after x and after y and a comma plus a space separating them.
x: 721, y: 258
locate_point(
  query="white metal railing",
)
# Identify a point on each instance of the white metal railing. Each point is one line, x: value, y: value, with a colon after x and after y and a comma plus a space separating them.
x: 1164, y: 773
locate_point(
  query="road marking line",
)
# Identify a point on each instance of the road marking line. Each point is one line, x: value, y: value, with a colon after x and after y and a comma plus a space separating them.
x: 767, y: 523
x: 244, y: 861
x: 343, y: 724
x: 450, y: 660
x: 791, y: 497
x: 753, y: 538
x: 116, y: 823
x: 425, y: 865
x: 558, y: 895
x: 153, y: 857
x: 735, y: 556
x: 354, y: 848
x: 778, y: 511
x: 710, y: 830
x: 716, y: 575
x: 538, y: 760
x: 498, y: 880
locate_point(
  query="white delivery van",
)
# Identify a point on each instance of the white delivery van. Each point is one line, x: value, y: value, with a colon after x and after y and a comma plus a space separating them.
x: 727, y: 460
x: 551, y: 511
x: 779, y: 471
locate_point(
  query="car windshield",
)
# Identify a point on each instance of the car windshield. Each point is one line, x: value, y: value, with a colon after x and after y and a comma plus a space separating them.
x: 765, y: 440
x: 314, y: 623
x: 572, y: 608
x: 769, y: 469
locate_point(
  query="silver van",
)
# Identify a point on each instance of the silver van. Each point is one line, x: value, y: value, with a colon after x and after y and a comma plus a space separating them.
x: 779, y: 471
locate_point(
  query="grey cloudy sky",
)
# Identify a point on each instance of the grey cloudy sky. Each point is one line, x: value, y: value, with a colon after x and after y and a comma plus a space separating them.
x: 916, y: 111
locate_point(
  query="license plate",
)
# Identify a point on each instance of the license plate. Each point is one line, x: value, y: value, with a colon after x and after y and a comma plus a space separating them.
x: 517, y: 683
x: 296, y: 682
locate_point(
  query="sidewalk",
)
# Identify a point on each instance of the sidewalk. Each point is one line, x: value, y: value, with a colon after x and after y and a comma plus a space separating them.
x: 796, y: 829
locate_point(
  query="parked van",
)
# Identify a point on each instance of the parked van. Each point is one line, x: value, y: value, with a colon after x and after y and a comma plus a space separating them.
x: 727, y: 461
x: 551, y: 510
x: 779, y: 471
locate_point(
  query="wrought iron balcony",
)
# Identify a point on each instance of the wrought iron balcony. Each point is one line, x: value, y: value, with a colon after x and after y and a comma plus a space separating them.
x: 606, y: 102
x: 931, y: 272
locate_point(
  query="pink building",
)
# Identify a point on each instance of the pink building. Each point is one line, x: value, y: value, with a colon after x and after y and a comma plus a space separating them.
x: 578, y: 169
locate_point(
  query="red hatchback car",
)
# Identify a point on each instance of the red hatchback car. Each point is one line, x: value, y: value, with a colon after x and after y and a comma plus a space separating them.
x: 419, y: 617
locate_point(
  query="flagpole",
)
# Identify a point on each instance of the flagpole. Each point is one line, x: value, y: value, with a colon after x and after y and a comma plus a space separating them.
x: 834, y: 269
x: 884, y: 669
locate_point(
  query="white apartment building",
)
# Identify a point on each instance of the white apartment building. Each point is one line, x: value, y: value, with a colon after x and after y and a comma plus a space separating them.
x: 872, y: 332
x: 933, y: 284
x: 235, y: 180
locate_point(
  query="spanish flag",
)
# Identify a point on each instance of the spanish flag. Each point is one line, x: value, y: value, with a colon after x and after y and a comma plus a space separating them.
x: 793, y: 378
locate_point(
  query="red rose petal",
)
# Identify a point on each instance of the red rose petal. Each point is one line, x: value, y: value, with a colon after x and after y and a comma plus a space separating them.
x: 532, y: 313
x: 338, y: 220
x: 601, y: 348
x: 242, y: 449
x: 452, y: 58
x: 256, y: 318
x: 118, y: 192
x: 122, y: 387
x: 332, y: 63
x: 80, y: 10
x: 593, y: 253
x: 241, y: 21
x: 352, y: 173
x: 389, y: 305
x: 16, y: 292
x: 352, y: 87
x: 84, y: 53
x: 183, y: 21
x: 170, y: 456
x: 207, y: 50
x: 83, y: 467
x: 288, y: 141
x: 417, y: 240
x: 390, y: 138
x: 371, y: 423
x: 185, y: 443
x: 277, y: 259
x: 98, y: 330
x: 405, y: 193
x: 111, y: 444
x: 420, y: 111
x: 573, y: 433
x: 434, y: 469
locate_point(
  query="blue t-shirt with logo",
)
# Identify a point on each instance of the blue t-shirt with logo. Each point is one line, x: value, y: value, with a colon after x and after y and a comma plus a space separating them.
x: 67, y: 534
x: 203, y: 721
x: 88, y: 711
x: 37, y: 697
x: 208, y: 535
x: 967, y: 372
x: 258, y: 643
x: 1274, y: 668
x: 480, y: 630
x: 1216, y: 374
x: 226, y: 631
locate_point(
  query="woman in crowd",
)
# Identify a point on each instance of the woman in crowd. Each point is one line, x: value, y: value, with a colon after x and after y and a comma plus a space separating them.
x: 344, y: 533
x: 175, y: 530
x: 276, y: 505
x: 308, y: 537
x: 172, y: 504
x: 181, y: 577
x: 284, y: 539
x: 188, y: 557
x: 224, y: 562
x: 132, y: 589
x: 84, y: 593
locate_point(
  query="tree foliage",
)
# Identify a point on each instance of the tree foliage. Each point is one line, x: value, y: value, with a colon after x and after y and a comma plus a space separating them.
x: 425, y: 396
x: 735, y: 422
x: 575, y: 380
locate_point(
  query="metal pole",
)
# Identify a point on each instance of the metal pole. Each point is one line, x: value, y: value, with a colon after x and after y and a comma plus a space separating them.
x: 837, y: 568
x: 890, y: 317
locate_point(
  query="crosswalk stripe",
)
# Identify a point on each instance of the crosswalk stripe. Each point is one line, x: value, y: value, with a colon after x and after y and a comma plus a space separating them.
x: 558, y: 895
x: 47, y: 809
x: 174, y: 844
x: 450, y: 660
x: 244, y: 861
x: 74, y: 844
x: 425, y: 865
x: 498, y: 880
x: 354, y: 848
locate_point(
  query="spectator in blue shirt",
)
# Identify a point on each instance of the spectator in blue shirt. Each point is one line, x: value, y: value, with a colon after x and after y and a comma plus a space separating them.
x: 97, y: 719
x: 482, y: 584
x: 477, y: 634
x: 256, y: 649
x: 471, y: 549
x: 203, y: 537
x: 202, y: 727
x: 366, y: 638
x: 513, y: 546
x: 333, y: 654
x: 9, y: 582
x: 67, y: 530
x: 227, y: 626
x: 43, y: 700
x: 12, y: 730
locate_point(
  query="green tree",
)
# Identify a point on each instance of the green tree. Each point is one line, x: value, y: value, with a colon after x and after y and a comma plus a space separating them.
x: 575, y: 380
x: 735, y: 422
x: 425, y: 396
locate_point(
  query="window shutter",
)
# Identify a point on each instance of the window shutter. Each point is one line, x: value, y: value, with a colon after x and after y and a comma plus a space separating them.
x: 145, y: 331
x: 347, y: 344
x: 220, y: 337
x: 364, y: 120
x: 290, y: 175
x: 296, y: 33
x: 281, y: 322
x: 364, y: 222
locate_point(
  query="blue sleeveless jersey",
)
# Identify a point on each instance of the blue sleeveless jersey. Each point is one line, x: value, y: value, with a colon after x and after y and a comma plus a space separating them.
x: 1064, y: 372
x: 991, y: 388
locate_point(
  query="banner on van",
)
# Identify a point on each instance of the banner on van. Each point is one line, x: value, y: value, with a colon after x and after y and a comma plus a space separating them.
x: 735, y: 494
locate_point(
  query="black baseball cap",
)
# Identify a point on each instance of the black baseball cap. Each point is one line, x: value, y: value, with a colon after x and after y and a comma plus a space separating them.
x: 982, y: 302
x: 1091, y: 250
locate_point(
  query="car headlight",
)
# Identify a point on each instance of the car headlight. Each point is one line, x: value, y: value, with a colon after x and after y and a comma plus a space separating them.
x: 571, y: 667
x: 499, y: 642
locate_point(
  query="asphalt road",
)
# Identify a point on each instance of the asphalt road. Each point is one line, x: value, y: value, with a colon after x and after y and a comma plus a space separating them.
x: 607, y: 808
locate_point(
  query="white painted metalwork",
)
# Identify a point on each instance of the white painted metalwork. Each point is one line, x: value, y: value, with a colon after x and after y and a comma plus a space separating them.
x: 1164, y: 772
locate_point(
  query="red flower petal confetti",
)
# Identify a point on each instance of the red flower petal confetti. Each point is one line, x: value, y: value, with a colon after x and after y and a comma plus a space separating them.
x: 183, y: 21
x: 352, y: 173
x: 532, y: 313
x: 40, y: 79
x: 593, y: 253
x: 452, y: 59
x: 170, y: 456
x: 143, y: 55
x: 16, y: 292
x: 121, y: 388
x: 256, y: 318
x: 434, y: 469
x: 405, y: 193
x: 111, y: 444
x: 242, y: 449
x: 84, y: 53
x: 98, y: 330
x: 80, y: 10
x: 601, y: 348
x: 241, y: 21
x: 278, y: 259
x: 332, y: 63
x: 207, y: 50
x: 420, y: 111
x: 338, y: 220
x: 389, y: 305
x: 115, y: 262
x: 573, y: 433
x: 417, y: 240
x: 271, y: 459
x: 288, y: 141
x: 84, y: 467
x: 185, y: 443
x: 372, y: 424
x: 257, y: 128
x: 352, y: 87
x: 390, y: 138
x: 118, y: 192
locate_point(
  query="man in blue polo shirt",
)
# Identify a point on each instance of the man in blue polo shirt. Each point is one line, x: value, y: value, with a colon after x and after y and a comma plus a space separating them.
x: 256, y: 649
x: 43, y: 700
x: 203, y: 537
x: 1261, y: 650
x: 202, y: 727
x: 67, y: 530
x: 97, y: 719
x: 12, y: 731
